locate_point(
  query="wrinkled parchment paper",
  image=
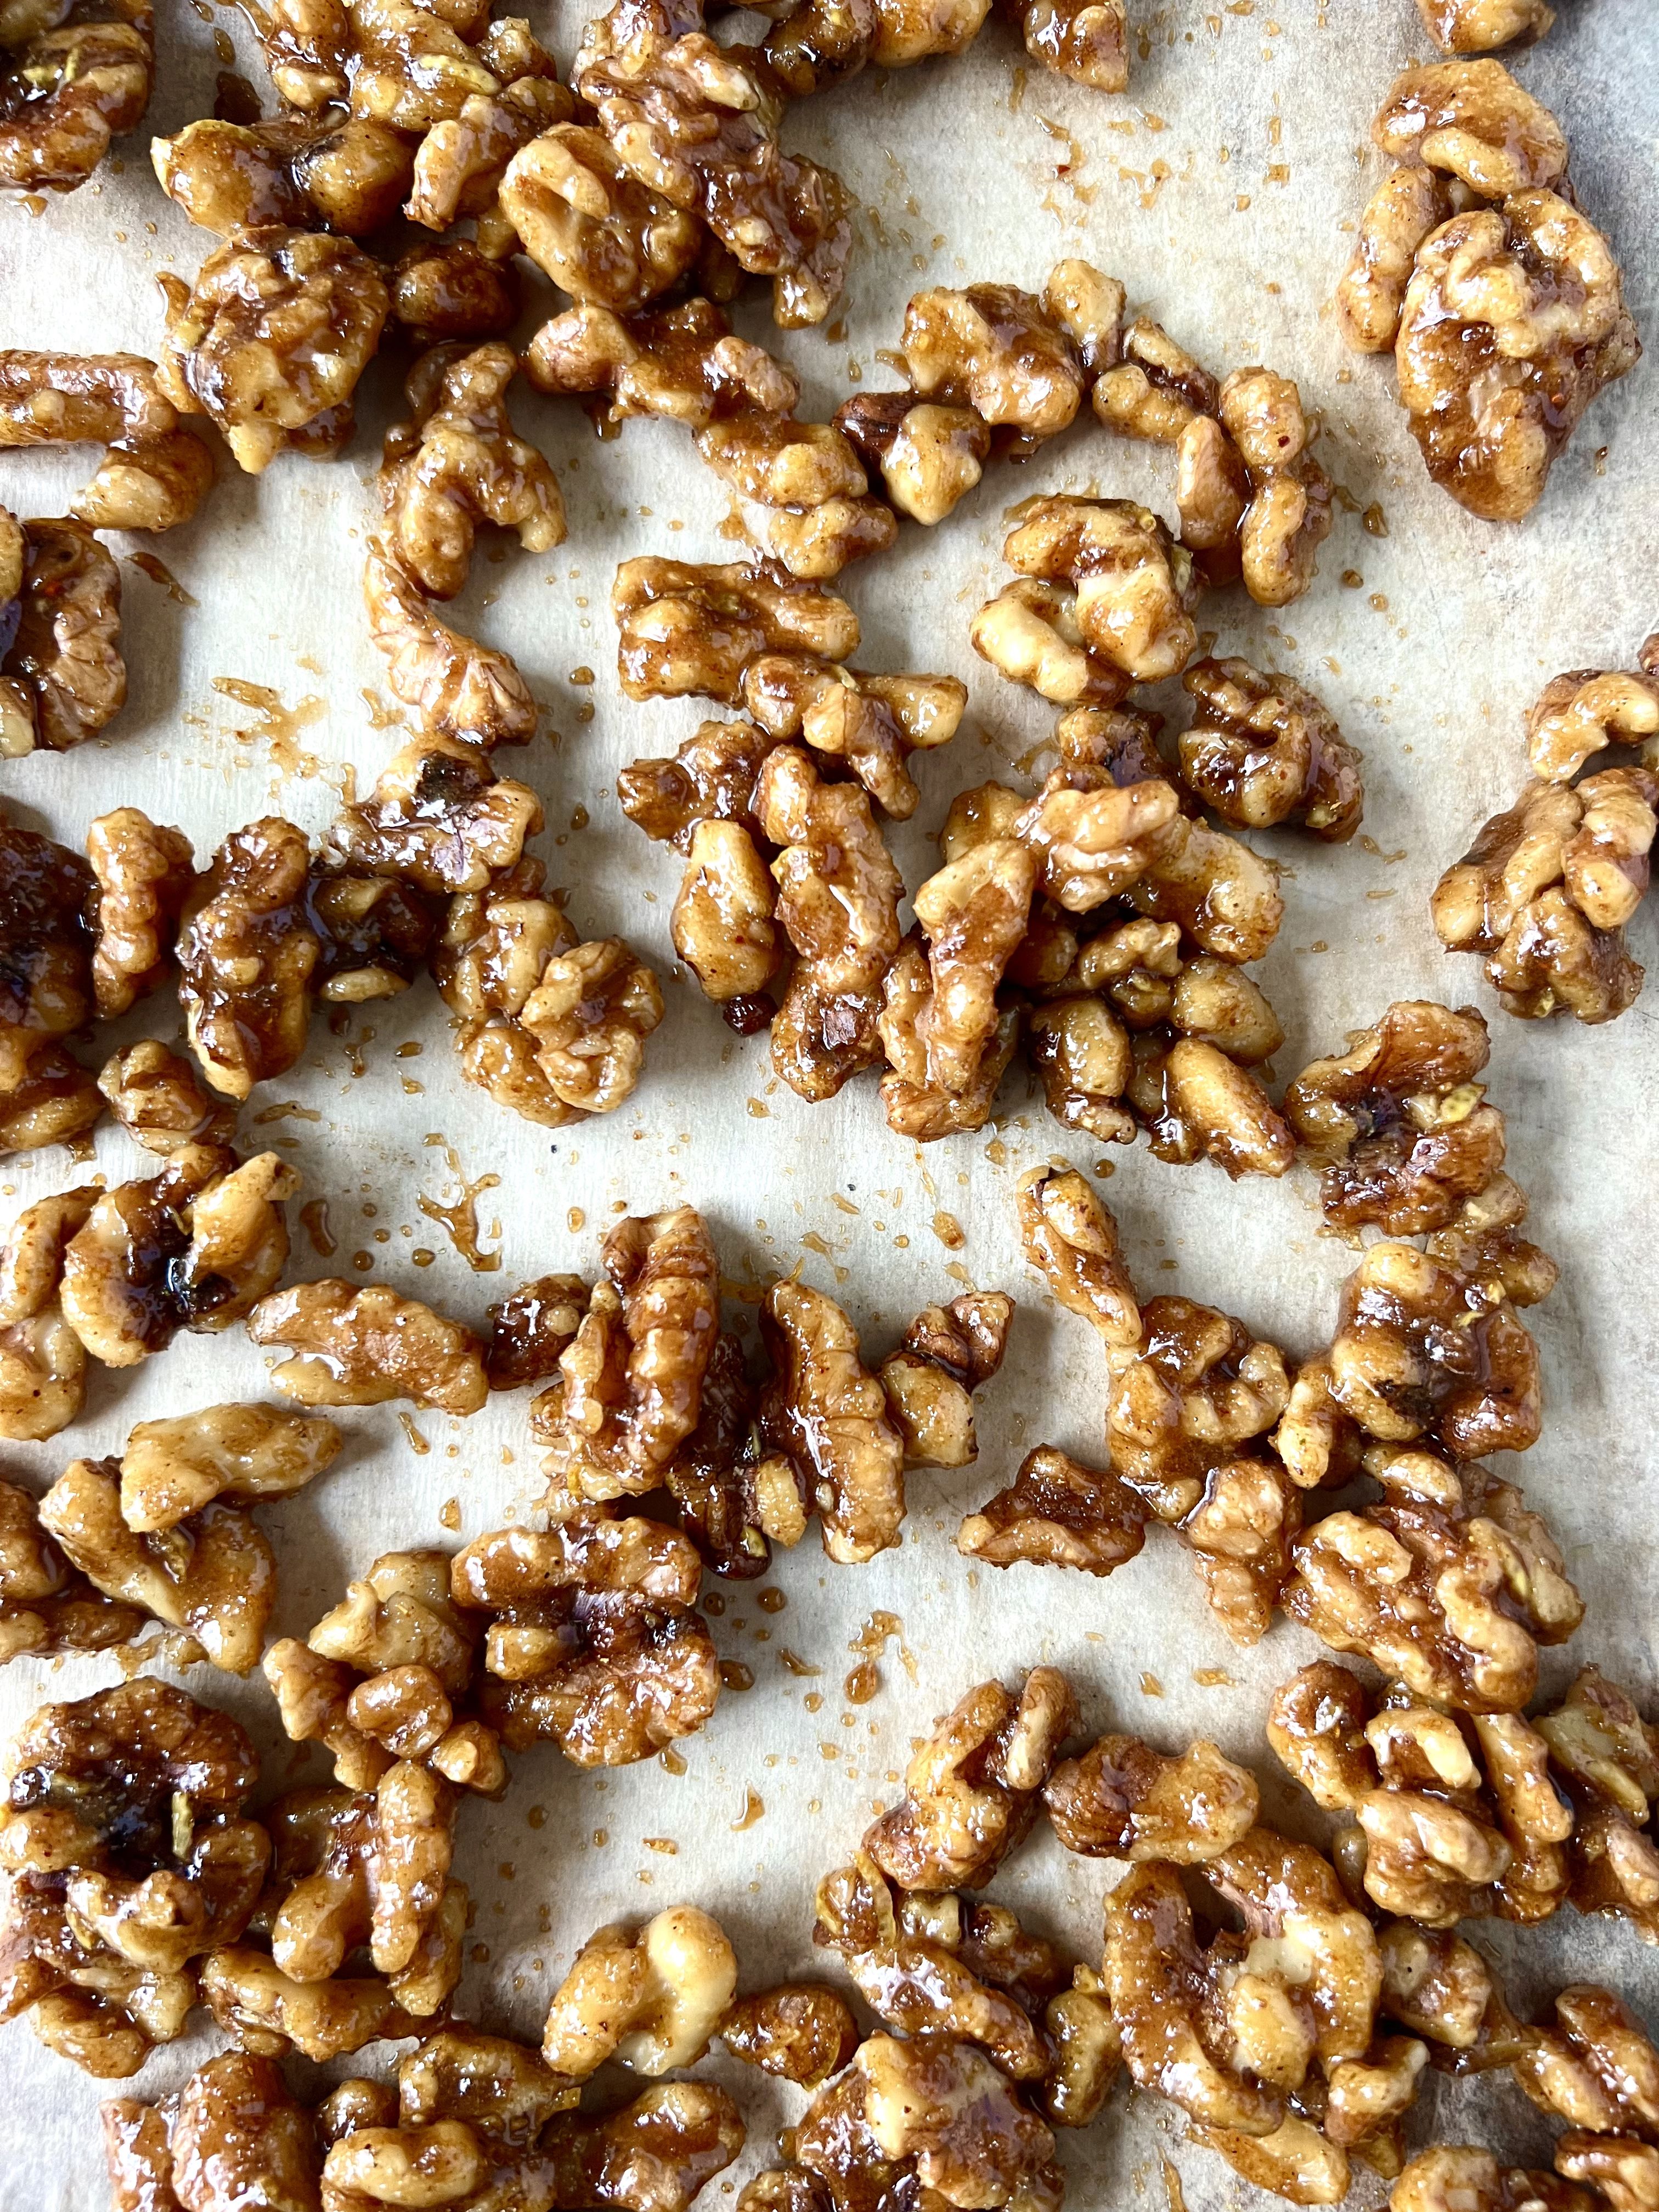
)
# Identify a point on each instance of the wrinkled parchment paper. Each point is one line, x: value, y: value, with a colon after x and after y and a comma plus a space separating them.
x: 1221, y: 189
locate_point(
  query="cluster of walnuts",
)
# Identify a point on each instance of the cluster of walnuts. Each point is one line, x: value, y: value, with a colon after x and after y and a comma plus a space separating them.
x: 1473, y: 263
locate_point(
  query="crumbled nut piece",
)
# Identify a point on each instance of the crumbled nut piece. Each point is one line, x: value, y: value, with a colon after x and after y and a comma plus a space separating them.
x: 1577, y: 715
x: 1200, y: 1388
x: 1155, y: 387
x: 1057, y: 1512
x: 70, y: 84
x: 689, y: 629
x: 943, y: 2106
x: 800, y: 2031
x: 1411, y: 201
x: 1071, y: 1239
x: 1262, y: 750
x: 596, y: 229
x: 529, y: 1329
x: 1122, y: 1800
x: 1135, y: 586
x: 971, y: 1789
x: 466, y: 696
x: 46, y: 1097
x: 457, y: 464
x: 828, y: 1415
x: 1030, y: 633
x: 127, y: 1855
x: 1475, y: 27
x: 948, y: 1352
x: 63, y: 677
x: 930, y: 457
x: 1445, y: 1586
x: 174, y: 1467
x: 1087, y: 41
x: 363, y: 1347
x: 155, y: 1098
x: 45, y: 1607
x: 710, y: 779
x: 1608, y: 1758
x: 1473, y: 121
x: 196, y: 1247
x: 734, y: 1500
x: 995, y: 350
x: 683, y: 362
x: 653, y: 2155
x: 143, y: 874
x: 723, y: 925
x: 246, y: 950
x: 650, y: 1999
x: 1513, y: 321
x: 320, y: 170
x: 1545, y: 889
x: 273, y: 335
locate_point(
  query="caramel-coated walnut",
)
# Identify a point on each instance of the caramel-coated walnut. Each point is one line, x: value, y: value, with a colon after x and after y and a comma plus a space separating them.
x: 683, y: 627
x: 650, y: 1999
x: 587, y: 1019
x: 267, y: 2011
x: 735, y: 1500
x: 355, y: 1347
x: 1597, y: 2067
x: 530, y: 1329
x: 1057, y: 1512
x: 246, y: 950
x: 915, y: 1107
x: 232, y: 2135
x: 1411, y: 201
x: 461, y: 161
x: 997, y: 350
x: 596, y: 229
x: 1122, y: 1800
x: 1092, y: 837
x: 1133, y: 586
x: 272, y: 337
x: 466, y: 696
x: 1475, y: 27
x: 176, y: 1466
x: 1472, y: 121
x: 710, y: 779
x: 929, y: 456
x: 1201, y: 1389
x: 62, y: 675
x: 441, y: 816
x: 1222, y: 894
x: 1577, y: 715
x: 42, y: 1361
x: 1253, y: 501
x: 323, y: 171
x: 445, y: 293
x: 69, y: 83
x: 943, y: 2106
x: 46, y: 1097
x: 948, y: 1352
x: 1459, y: 2175
x: 1240, y: 1535
x: 653, y: 2155
x: 1087, y: 41
x: 723, y: 924
x: 800, y: 2031
x: 827, y: 1414
x: 1154, y: 388
x: 45, y: 1606
x: 1197, y: 1102
x: 46, y: 892
x: 1071, y: 1239
x: 1607, y: 1757
x: 971, y: 1789
x: 684, y: 363
x: 1513, y: 321
x: 1030, y: 634
x: 873, y: 723
x: 1262, y: 750
x: 144, y: 872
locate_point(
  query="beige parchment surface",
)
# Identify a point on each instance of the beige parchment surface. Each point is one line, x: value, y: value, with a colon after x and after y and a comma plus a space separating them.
x: 1219, y: 190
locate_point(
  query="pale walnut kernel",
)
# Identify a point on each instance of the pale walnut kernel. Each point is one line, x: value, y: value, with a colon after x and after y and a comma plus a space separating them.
x: 42, y: 1361
x: 1471, y: 120
x: 144, y: 874
x: 1155, y: 388
x: 1513, y: 321
x: 723, y: 924
x: 155, y: 1098
x: 1135, y: 586
x: 589, y: 1017
x: 1122, y: 1800
x: 684, y: 363
x: 1200, y: 1388
x: 1087, y: 41
x: 944, y: 2106
x: 1071, y: 1239
x: 317, y: 172
x: 1057, y: 1512
x: 650, y: 1999
x: 596, y: 229
x: 948, y: 1352
x: 1608, y: 1758
x: 1576, y: 715
x: 1597, y: 2067
x: 1030, y: 634
x: 1411, y: 201
x: 62, y: 676
x: 684, y: 627
x: 464, y: 694
x: 246, y: 950
x: 930, y: 456
x: 971, y: 1789
x: 1262, y: 750
x: 272, y: 337
x: 45, y: 1607
x: 364, y: 1346
x: 828, y: 1416
x: 995, y: 350
x: 176, y: 1466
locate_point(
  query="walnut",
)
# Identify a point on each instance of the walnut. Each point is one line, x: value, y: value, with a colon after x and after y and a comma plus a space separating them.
x: 943, y: 2106
x: 971, y: 1789
x: 457, y: 464
x: 1513, y: 321
x: 232, y: 2136
x: 246, y: 950
x: 155, y: 1098
x: 1252, y: 498
x: 441, y: 294
x: 362, y: 1346
x: 1473, y: 26
x: 320, y: 170
x: 153, y: 475
x: 1122, y: 1800
x: 69, y: 86
x: 947, y: 1353
x: 212, y: 1577
x: 1401, y: 1120
x: 1474, y: 121
x: 46, y: 1097
x: 597, y: 229
x: 974, y: 912
x: 1085, y: 40
x: 1199, y: 1389
x: 650, y: 1999
x: 1411, y: 201
x: 175, y: 1467
x: 272, y: 337
x: 1057, y: 1512
x: 1262, y: 750
x: 929, y: 456
x: 127, y: 1855
x: 872, y: 722
x: 1440, y: 1988
x: 734, y: 1499
x: 1092, y: 838
x: 62, y: 676
x: 915, y: 1107
x: 683, y: 362
x: 723, y: 924
x: 1071, y: 1239
x: 42, y: 1360
x: 1133, y: 586
x: 44, y: 894
x: 1625, y: 2171
x: 1240, y: 1535
x: 531, y: 1327
x: 689, y: 629
x: 439, y: 816
x: 493, y: 954
x: 1030, y: 634
x: 1155, y: 388
x: 196, y: 1247
x: 711, y: 779
x: 466, y: 696
x: 1607, y: 1757
x: 1597, y: 2067
x: 460, y: 161
x: 144, y: 874
x: 1316, y: 1726
x: 589, y: 1017
x: 799, y: 2030
x: 45, y: 1607
x: 266, y: 2011
x: 1579, y: 715
x: 997, y: 350
x: 1446, y: 1586
x: 1545, y: 889
x: 653, y: 2155
x: 826, y: 1414
x: 374, y: 932
x: 1456, y: 2174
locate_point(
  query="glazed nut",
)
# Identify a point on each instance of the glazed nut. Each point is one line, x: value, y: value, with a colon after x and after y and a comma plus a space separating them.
x: 653, y: 2155
x: 710, y: 779
x: 1472, y: 121
x: 1030, y: 634
x: 64, y: 678
x: 1411, y: 201
x: 1154, y: 388
x: 801, y: 2031
x: 45, y: 1607
x: 827, y: 1415
x: 929, y: 1382
x: 1087, y: 41
x: 1070, y: 1237
x: 1577, y: 715
x: 872, y: 722
x: 1475, y: 27
x: 143, y: 875
x: 994, y: 350
x: 155, y: 1098
x: 246, y: 950
x: 232, y: 2131
x: 1200, y: 1390
x: 1124, y: 1800
x: 70, y: 84
x: 684, y: 363
x: 684, y: 627
x: 650, y: 2000
x: 445, y: 293
x: 1262, y: 750
x: 723, y: 923
x: 530, y: 1329
x: 363, y: 1347
x: 467, y: 697
x: 1057, y: 1512
x: 347, y: 174
x: 1091, y: 838
x: 930, y: 456
x: 46, y: 1097
x: 1133, y: 586
x: 595, y: 229
x: 174, y: 1467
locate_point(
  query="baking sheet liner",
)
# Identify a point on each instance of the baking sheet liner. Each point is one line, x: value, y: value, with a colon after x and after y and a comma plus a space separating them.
x: 1221, y: 191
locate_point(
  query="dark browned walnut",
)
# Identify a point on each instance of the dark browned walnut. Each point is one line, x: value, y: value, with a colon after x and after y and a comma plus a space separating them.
x: 45, y: 1606
x: 232, y: 2135
x: 1057, y: 1513
x: 801, y: 2031
x: 247, y: 947
x: 529, y: 1330
x: 62, y: 676
x: 71, y: 82
x: 1262, y: 750
x: 711, y: 779
x: 684, y: 363
x: 735, y: 1500
x: 1606, y: 1757
x: 128, y: 1856
x: 1124, y: 1800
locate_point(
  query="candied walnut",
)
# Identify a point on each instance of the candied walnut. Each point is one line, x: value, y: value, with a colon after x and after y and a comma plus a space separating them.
x: 154, y: 486
x: 597, y: 229
x: 1446, y: 1586
x: 1092, y: 837
x: 1296, y: 2160
x: 1154, y: 388
x: 710, y: 779
x: 1240, y: 1535
x: 460, y: 161
x: 997, y: 350
x: 800, y: 2031
x: 441, y: 294
x: 1626, y: 2172
x: 1458, y: 2175
x: 530, y: 1329
x: 1057, y: 1512
x: 650, y: 1999
x: 1474, y: 121
x: 1030, y: 634
x: 266, y: 2010
x: 1608, y: 1758
x: 246, y: 950
x: 322, y: 171
x: 930, y: 456
x: 653, y: 2155
x: 589, y: 1017
x: 1440, y: 1988
x: 1122, y: 1800
x: 1071, y: 1239
x: 455, y: 464
x: 127, y: 1855
x: 1597, y: 2067
x: 196, y: 1247
x: 176, y: 1466
x: 1411, y: 201
x: 816, y: 542
x: 65, y: 399
x: 1222, y: 894
x: 502, y: 2088
x: 974, y: 912
x: 155, y: 1098
x: 779, y: 462
x: 272, y: 337
x: 947, y: 1353
x: 915, y: 1107
x: 827, y: 1415
x: 1080, y: 1050
x: 62, y: 676
x: 465, y: 695
x: 46, y: 1097
x: 1475, y: 27
x: 1316, y: 1726
x: 71, y: 82
x: 734, y: 1499
x: 232, y: 2135
x: 1251, y: 496
x: 45, y: 1607
x: 971, y: 1789
x: 1200, y: 1388
x: 1087, y: 41
x: 144, y: 874
x: 683, y: 362
x: 683, y: 627
x: 872, y: 722
x: 1513, y: 321
x: 1197, y: 1102
x: 942, y: 2108
x: 1401, y: 1120
x: 1579, y: 715
x: 1262, y: 750
x: 441, y: 816
x: 1133, y: 586
x: 42, y: 1360
x: 723, y: 925
x: 45, y: 891
x: 1481, y: 1239
x: 1545, y: 889
x: 363, y: 1347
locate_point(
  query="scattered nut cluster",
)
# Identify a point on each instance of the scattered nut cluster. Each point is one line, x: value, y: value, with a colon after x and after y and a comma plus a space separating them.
x: 1501, y: 301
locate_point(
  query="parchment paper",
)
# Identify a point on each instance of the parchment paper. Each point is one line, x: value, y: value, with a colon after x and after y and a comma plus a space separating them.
x: 1221, y: 189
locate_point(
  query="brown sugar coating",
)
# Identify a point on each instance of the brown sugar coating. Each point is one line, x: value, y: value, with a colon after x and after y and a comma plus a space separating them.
x: 948, y: 1354
x: 1606, y: 1757
x: 1057, y: 1512
x: 347, y: 174
x: 45, y: 1606
x: 352, y: 1346
x: 1262, y: 750
x: 1124, y: 1800
x: 69, y: 83
x: 247, y: 952
x: 684, y: 363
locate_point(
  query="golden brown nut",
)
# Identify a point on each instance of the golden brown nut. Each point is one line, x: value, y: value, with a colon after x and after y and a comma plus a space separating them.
x: 144, y: 874
x: 971, y: 1789
x: 273, y: 336
x: 153, y: 475
x: 315, y: 172
x: 266, y: 2011
x: 801, y: 2031
x: 1030, y: 634
x: 531, y: 1327
x: 246, y: 950
x: 62, y: 676
x: 684, y: 628
x: 176, y: 1466
x: 723, y: 925
x: 45, y: 1607
x: 46, y: 1097
x: 1513, y: 321
x: 1122, y: 1800
x: 443, y: 292
x: 597, y: 229
x: 363, y: 1347
x: 947, y: 1353
x: 1071, y: 1239
x: 439, y: 815
x: 1135, y: 586
x: 42, y: 1360
x: 828, y: 1415
x: 1252, y: 498
x: 1458, y: 2174
x: 1576, y: 715
x: 930, y: 456
x: 71, y: 82
x: 1085, y: 40
x: 734, y: 1500
x: 1092, y: 837
x: 1155, y: 388
x: 1200, y: 1388
x: 915, y: 1107
x: 995, y: 350
x: 1240, y: 1535
x: 1473, y: 26
x: 1474, y: 121
x: 589, y: 1017
x: 460, y: 161
x: 231, y: 2135
x: 154, y: 1096
x: 45, y: 891
x: 945, y: 2106
x: 653, y: 2155
x: 1608, y: 1757
x: 650, y: 1999
x: 1262, y: 750
x: 683, y: 362
x: 455, y: 464
x: 1411, y: 201
x: 1597, y: 2067
x: 465, y: 693
x: 1057, y: 1512
x: 872, y: 722
x: 710, y: 779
